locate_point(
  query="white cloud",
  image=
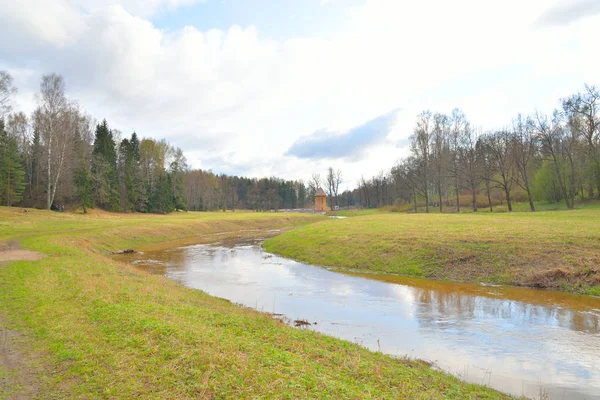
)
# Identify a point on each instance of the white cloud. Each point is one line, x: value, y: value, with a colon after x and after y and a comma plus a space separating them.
x: 234, y: 99
x: 143, y: 8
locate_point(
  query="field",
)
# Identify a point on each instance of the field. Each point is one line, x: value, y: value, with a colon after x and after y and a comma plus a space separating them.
x: 548, y: 249
x: 77, y: 324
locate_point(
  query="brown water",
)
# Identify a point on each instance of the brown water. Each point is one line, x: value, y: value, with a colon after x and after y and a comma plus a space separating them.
x: 515, y: 340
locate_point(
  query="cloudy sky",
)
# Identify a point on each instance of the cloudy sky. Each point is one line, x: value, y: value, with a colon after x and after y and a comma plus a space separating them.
x: 290, y: 87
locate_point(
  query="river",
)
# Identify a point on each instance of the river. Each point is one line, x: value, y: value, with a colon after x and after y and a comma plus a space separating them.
x: 520, y: 341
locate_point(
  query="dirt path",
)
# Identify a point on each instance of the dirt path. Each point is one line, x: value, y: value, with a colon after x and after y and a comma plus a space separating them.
x: 12, y: 251
x: 19, y: 380
x: 18, y: 377
x: 20, y: 255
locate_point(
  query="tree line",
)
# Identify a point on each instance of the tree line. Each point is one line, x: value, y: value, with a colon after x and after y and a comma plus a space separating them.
x: 60, y: 155
x: 537, y: 157
x: 207, y: 191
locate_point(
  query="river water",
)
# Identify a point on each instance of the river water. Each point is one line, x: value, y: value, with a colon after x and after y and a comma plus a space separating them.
x: 516, y: 340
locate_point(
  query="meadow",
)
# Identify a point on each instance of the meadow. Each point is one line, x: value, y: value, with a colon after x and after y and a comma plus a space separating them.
x: 78, y: 324
x: 546, y: 249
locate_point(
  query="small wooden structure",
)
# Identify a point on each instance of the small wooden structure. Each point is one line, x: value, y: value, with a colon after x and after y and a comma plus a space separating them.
x: 320, y: 200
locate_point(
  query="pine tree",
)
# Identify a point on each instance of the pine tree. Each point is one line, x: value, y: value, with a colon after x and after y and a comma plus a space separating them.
x: 82, y: 177
x: 125, y: 158
x: 84, y: 190
x: 37, y: 183
x: 138, y: 193
x: 104, y: 143
x: 161, y: 199
x: 12, y: 170
x: 104, y: 168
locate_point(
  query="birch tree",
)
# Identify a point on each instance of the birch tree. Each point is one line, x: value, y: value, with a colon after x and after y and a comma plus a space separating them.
x: 7, y: 91
x: 420, y: 147
x: 54, y: 122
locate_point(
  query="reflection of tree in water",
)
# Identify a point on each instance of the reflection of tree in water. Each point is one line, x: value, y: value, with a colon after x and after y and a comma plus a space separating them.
x: 453, y: 309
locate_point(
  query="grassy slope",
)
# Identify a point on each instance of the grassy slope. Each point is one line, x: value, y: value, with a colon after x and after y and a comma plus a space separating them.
x: 555, y: 249
x: 102, y: 329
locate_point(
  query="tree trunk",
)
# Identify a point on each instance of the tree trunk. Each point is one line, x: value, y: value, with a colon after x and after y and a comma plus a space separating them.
x: 457, y: 196
x: 489, y: 195
x: 426, y: 193
x: 572, y: 185
x: 441, y: 199
x: 49, y: 183
x: 360, y: 197
x: 8, y: 187
x: 563, y: 187
x: 528, y: 190
x: 415, y: 200
x: 474, y: 197
x: 508, y: 202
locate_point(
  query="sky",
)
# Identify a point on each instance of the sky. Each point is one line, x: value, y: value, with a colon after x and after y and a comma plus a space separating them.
x: 288, y: 88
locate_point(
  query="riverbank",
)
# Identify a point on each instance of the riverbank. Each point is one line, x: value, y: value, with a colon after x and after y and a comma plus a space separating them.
x: 79, y: 324
x: 555, y: 250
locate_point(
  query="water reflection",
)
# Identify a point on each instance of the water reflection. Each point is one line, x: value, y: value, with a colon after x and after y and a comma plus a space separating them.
x: 515, y: 340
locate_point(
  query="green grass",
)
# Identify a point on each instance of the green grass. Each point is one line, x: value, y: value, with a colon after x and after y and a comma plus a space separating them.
x: 556, y: 250
x: 466, y: 208
x: 97, y: 328
x: 357, y: 212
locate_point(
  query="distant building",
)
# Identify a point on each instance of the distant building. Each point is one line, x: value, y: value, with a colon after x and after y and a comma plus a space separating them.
x: 320, y: 200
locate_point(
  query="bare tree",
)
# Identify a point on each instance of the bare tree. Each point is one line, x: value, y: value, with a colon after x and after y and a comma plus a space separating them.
x: 420, y: 142
x: 54, y: 108
x: 314, y: 184
x: 405, y: 176
x: 7, y: 90
x: 499, y: 145
x: 440, y: 156
x: 582, y: 112
x: 459, y: 127
x: 365, y: 190
x: 550, y: 137
x: 333, y: 181
x: 337, y: 180
x: 524, y: 149
x: 330, y: 186
x: 469, y: 163
x: 486, y: 169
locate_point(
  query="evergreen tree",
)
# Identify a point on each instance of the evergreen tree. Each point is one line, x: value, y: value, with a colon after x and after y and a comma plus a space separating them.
x: 104, y: 143
x: 12, y: 170
x: 84, y: 189
x: 161, y: 199
x: 37, y: 150
x: 82, y: 177
x: 124, y: 172
x: 138, y: 190
x: 104, y: 168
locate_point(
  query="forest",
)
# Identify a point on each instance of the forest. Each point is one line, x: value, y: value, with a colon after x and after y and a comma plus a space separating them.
x: 59, y: 155
x: 534, y: 158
